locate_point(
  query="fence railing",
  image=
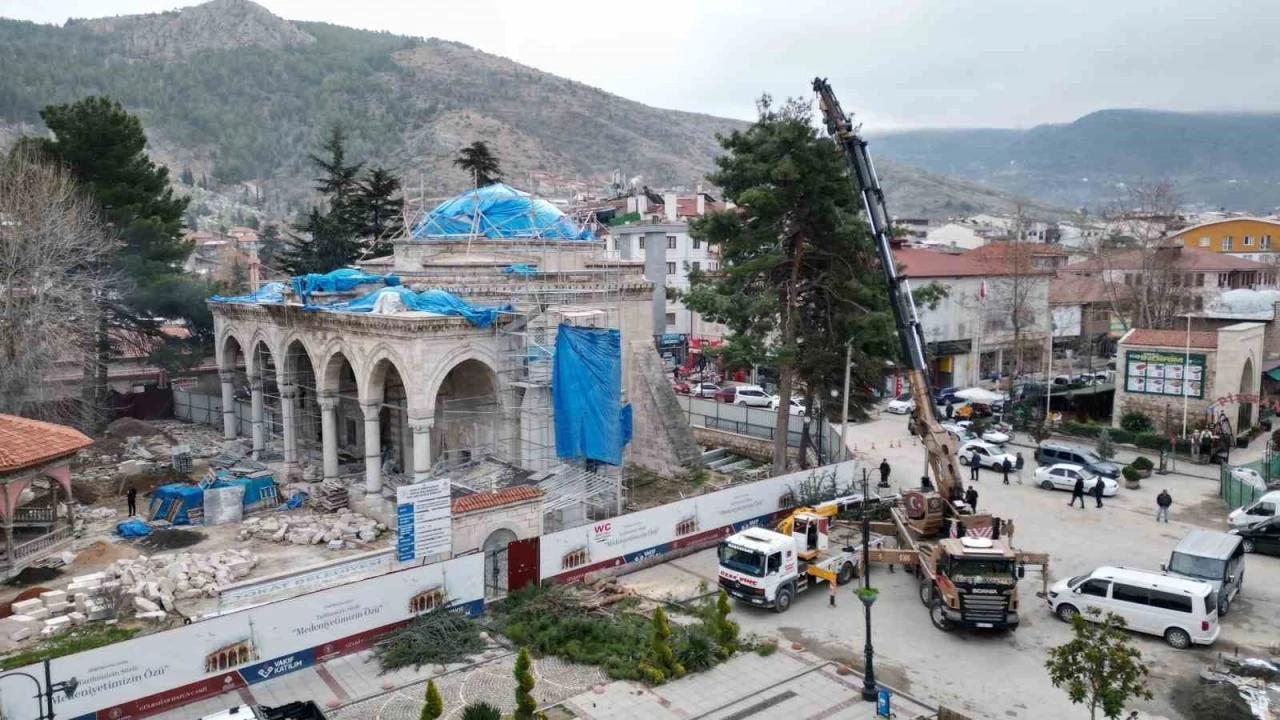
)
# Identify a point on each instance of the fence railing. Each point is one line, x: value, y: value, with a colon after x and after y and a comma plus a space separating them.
x: 1236, y: 493
x: 34, y: 516
x: 32, y: 549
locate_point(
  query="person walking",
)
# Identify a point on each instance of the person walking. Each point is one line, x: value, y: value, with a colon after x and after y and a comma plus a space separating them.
x: 132, y: 498
x: 975, y: 466
x: 884, y: 473
x: 1006, y: 467
x: 1163, y: 501
x: 971, y: 498
x: 1097, y: 491
x: 1077, y: 492
x: 1018, y: 466
x: 951, y: 410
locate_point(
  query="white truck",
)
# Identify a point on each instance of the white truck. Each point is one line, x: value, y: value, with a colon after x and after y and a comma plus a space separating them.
x: 767, y: 568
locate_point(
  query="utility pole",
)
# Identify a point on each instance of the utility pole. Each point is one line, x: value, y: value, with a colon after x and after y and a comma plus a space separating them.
x: 1186, y: 376
x: 844, y: 413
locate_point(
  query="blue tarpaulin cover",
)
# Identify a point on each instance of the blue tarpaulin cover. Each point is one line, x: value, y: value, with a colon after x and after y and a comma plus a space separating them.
x: 186, y: 497
x: 591, y: 421
x: 253, y: 486
x: 133, y: 528
x: 496, y: 212
x: 434, y: 301
x: 521, y: 269
x: 269, y: 293
x: 339, y: 280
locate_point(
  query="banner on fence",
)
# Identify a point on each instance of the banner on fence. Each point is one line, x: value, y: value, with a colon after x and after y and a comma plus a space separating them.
x: 154, y: 673
x: 570, y: 554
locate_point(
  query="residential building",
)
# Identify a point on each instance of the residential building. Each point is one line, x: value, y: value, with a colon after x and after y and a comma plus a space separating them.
x: 1022, y: 254
x: 1079, y: 234
x: 994, y: 319
x: 1248, y: 238
x: 956, y: 235
x: 1082, y: 314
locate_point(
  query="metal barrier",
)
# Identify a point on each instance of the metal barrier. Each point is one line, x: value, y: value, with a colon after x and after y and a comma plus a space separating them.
x: 1235, y: 492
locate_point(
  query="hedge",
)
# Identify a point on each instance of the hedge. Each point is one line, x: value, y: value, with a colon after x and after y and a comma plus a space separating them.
x: 1147, y: 441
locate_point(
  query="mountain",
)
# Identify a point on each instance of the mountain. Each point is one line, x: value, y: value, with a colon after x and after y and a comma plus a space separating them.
x: 239, y: 95
x: 1213, y: 159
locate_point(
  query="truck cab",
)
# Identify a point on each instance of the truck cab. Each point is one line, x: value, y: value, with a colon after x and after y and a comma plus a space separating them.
x: 974, y: 583
x: 768, y: 568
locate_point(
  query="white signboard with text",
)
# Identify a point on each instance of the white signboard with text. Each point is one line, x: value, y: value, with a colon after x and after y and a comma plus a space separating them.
x: 424, y: 520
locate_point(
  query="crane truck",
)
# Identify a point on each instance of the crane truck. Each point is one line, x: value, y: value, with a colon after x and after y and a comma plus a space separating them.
x: 969, y: 575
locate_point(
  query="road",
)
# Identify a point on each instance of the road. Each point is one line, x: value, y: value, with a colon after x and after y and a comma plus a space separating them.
x: 1001, y: 675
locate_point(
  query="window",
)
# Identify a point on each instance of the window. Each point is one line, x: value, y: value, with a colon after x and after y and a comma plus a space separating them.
x: 697, y: 243
x: 1199, y: 279
x: 1265, y: 243
x: 671, y: 318
x: 641, y: 242
x: 1248, y: 240
x: 1265, y: 509
x: 1170, y: 601
x: 1226, y: 243
x: 1096, y: 588
x: 671, y: 242
x: 1130, y: 594
x: 1204, y: 242
x: 775, y: 563
x: 613, y: 243
x: 1223, y: 279
x: 697, y: 266
x: 671, y: 268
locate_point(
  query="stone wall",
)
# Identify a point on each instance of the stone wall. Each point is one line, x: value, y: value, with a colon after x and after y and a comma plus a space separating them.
x: 662, y: 441
x: 745, y: 445
x: 471, y: 528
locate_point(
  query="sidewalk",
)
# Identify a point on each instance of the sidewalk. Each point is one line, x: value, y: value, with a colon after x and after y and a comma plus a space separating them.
x: 1126, y: 454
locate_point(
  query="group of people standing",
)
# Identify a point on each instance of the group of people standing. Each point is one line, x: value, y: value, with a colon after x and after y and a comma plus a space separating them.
x: 975, y: 474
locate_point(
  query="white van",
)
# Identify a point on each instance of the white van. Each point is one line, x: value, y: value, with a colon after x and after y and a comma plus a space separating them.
x: 1264, y: 508
x: 1182, y: 611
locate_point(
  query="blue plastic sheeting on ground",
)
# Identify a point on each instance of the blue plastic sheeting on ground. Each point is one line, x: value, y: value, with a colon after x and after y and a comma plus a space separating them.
x: 269, y: 293
x: 591, y: 421
x: 294, y: 502
x: 185, y: 497
x: 253, y: 487
x: 521, y: 269
x: 496, y: 212
x: 132, y: 529
x: 337, y: 281
x: 433, y: 301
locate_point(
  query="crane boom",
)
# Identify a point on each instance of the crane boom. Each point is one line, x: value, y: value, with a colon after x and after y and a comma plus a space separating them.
x: 937, y: 441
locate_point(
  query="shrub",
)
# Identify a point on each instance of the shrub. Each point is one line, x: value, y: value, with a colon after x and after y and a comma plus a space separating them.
x: 664, y: 658
x: 481, y: 711
x: 699, y: 650
x: 1136, y: 422
x: 765, y: 649
x: 526, y: 706
x: 1142, y: 463
x: 433, y: 704
x: 1129, y: 473
x: 1106, y: 449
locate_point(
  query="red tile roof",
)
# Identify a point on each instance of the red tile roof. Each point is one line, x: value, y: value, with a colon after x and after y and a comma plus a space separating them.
x: 1068, y: 289
x: 1171, y: 338
x: 919, y: 263
x: 1002, y: 248
x: 504, y: 496
x: 1184, y: 259
x: 26, y: 443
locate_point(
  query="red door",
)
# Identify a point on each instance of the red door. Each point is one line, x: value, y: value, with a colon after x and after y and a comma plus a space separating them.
x: 522, y: 564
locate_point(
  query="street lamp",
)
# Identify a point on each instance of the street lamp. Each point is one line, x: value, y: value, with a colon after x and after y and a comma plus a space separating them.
x: 869, y: 690
x: 51, y: 688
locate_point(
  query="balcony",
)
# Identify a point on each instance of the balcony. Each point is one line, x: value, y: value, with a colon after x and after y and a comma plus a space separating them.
x: 33, y: 517
x: 32, y: 551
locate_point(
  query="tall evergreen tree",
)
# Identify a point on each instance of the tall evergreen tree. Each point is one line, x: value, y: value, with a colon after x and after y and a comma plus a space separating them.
x: 187, y: 177
x: 105, y: 148
x: 320, y: 244
x: 378, y: 205
x: 480, y: 163
x: 269, y: 245
x: 340, y: 180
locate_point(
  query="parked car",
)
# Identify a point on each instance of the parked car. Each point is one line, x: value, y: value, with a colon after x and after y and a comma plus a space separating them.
x: 681, y: 387
x: 706, y: 390
x: 1263, y: 537
x: 989, y: 456
x: 1182, y: 611
x: 997, y: 435
x: 942, y: 396
x: 1063, y: 477
x: 797, y: 405
x: 904, y: 404
x: 1052, y: 453
x: 962, y: 435
x: 1214, y: 557
x: 1256, y: 512
x: 752, y: 395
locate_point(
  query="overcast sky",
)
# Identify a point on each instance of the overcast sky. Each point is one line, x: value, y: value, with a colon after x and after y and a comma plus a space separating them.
x: 897, y: 63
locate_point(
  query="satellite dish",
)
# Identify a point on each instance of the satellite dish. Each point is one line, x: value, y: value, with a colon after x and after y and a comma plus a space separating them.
x: 976, y: 542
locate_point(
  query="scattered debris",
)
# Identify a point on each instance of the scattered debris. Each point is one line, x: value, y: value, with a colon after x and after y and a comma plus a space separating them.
x: 155, y: 583
x: 312, y: 529
x: 604, y: 593
x: 1232, y: 689
x: 127, y: 427
x: 332, y: 496
x: 1196, y: 698
x: 437, y: 638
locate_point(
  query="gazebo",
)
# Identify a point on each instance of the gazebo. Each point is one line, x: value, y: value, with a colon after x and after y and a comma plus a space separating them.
x: 37, y: 456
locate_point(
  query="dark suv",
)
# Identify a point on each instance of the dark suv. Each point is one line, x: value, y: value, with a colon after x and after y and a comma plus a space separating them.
x: 1051, y: 453
x: 945, y: 395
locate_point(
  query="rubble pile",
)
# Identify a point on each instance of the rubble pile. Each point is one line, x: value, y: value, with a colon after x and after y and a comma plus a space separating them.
x: 155, y: 583
x: 88, y: 597
x: 313, y: 529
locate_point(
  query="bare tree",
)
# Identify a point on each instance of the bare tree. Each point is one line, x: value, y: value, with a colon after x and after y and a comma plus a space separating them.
x: 1136, y: 263
x: 52, y: 247
x: 1018, y: 289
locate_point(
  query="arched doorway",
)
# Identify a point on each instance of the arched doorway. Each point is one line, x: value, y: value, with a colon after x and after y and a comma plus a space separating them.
x: 394, y: 434
x: 264, y: 362
x: 1244, y: 418
x: 301, y: 376
x: 468, y: 412
x: 496, y: 567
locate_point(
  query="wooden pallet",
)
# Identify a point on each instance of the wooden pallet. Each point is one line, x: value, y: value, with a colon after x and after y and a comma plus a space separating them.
x: 331, y: 497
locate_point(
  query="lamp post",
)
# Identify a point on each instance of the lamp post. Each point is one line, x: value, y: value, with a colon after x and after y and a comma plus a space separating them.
x: 44, y: 698
x: 869, y: 690
x: 844, y: 412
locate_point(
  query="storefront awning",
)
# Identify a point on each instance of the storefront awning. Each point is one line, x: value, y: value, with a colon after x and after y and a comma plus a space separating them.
x: 1273, y: 374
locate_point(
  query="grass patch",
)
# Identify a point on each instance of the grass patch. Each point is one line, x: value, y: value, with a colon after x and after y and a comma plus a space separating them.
x: 77, y: 640
x: 620, y: 641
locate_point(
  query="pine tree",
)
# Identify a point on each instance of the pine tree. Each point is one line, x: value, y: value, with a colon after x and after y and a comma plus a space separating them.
x: 321, y: 244
x: 187, y: 177
x: 339, y: 181
x: 377, y: 206
x: 664, y: 658
x: 1106, y: 448
x: 526, y: 706
x: 433, y: 704
x: 269, y: 245
x: 726, y: 629
x: 480, y: 163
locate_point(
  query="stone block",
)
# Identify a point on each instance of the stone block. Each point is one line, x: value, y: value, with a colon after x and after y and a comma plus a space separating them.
x: 53, y: 597
x: 58, y: 608
x: 19, y: 634
x: 156, y: 615
x: 22, y: 619
x: 40, y: 613
x: 239, y: 568
x: 144, y: 605
x: 59, y: 623
x: 24, y: 606
x: 367, y: 536
x: 98, y: 613
x: 78, y: 618
x: 91, y: 580
x: 161, y: 560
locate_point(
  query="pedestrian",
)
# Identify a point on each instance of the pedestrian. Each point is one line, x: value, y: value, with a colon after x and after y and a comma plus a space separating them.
x: 1163, y: 501
x: 975, y: 466
x: 675, y: 373
x: 1097, y: 491
x: 1006, y: 467
x: 1077, y: 492
x: 971, y: 498
x: 1018, y: 466
x: 884, y: 473
x: 951, y: 410
x: 132, y: 497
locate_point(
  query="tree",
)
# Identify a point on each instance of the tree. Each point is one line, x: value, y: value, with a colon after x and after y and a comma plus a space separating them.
x: 1097, y: 667
x: 320, y: 244
x: 799, y: 273
x: 340, y: 179
x: 269, y: 245
x: 239, y: 282
x: 187, y: 178
x: 378, y: 208
x: 105, y: 149
x: 480, y: 163
x: 1106, y: 448
x: 481, y: 711
x: 526, y: 706
x: 53, y: 265
x: 726, y: 629
x: 1019, y: 290
x: 660, y: 646
x: 1137, y: 268
x: 433, y: 704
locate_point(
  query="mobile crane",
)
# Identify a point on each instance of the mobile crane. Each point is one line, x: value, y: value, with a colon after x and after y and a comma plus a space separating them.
x: 968, y: 579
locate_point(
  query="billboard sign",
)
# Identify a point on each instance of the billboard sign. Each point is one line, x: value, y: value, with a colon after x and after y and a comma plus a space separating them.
x: 424, y: 520
x: 1168, y: 373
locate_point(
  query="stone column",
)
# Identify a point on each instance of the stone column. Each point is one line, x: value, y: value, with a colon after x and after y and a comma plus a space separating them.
x: 257, y: 413
x: 372, y: 447
x: 329, y: 434
x: 421, y: 447
x: 228, y: 404
x: 288, y: 407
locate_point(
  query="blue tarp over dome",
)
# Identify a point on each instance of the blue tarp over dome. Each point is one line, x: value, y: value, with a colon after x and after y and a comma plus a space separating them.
x: 498, y: 212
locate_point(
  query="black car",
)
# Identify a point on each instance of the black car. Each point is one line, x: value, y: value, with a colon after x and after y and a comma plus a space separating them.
x: 945, y: 395
x: 1263, y: 537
